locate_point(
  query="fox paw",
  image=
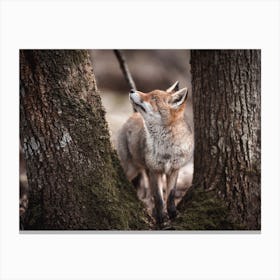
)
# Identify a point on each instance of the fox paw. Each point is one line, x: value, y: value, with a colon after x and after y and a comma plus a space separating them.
x: 160, y: 218
x: 172, y: 212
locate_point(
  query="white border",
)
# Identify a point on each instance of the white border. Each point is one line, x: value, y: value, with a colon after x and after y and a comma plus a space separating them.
x: 156, y: 24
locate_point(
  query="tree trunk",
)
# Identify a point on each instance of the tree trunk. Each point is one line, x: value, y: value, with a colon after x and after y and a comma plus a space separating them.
x: 75, y: 179
x: 226, y: 192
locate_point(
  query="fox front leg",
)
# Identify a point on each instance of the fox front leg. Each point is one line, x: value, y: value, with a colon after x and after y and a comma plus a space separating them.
x: 156, y: 186
x: 171, y: 189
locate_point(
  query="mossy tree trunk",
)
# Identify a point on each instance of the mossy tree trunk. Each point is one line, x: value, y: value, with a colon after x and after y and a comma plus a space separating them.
x: 75, y: 180
x: 226, y: 191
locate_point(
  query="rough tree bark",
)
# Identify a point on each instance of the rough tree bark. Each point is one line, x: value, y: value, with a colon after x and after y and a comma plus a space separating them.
x: 226, y: 191
x: 75, y: 180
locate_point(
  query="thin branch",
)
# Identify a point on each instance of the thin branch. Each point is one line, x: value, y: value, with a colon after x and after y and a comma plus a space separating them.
x: 125, y: 69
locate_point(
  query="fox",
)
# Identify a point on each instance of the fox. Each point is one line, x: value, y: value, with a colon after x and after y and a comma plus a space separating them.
x: 157, y: 141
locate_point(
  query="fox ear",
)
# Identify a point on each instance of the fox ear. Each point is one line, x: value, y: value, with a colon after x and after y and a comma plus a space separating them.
x: 179, y: 97
x: 173, y: 88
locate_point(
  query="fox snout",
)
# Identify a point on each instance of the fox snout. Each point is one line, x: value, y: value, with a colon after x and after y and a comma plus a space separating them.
x: 137, y: 101
x: 134, y: 96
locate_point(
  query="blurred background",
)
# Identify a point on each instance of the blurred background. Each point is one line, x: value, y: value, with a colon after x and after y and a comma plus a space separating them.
x: 150, y: 69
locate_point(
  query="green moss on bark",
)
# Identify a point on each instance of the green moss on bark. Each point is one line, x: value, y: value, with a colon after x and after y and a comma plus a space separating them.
x: 107, y: 198
x: 204, y: 210
x: 110, y: 201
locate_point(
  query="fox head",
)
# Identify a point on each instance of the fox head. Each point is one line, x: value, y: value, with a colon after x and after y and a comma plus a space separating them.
x: 160, y: 107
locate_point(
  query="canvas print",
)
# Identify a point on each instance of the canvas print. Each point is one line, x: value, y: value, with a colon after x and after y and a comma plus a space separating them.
x: 140, y: 140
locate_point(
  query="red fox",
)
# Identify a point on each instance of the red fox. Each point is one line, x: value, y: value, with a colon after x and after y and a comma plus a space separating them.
x: 158, y: 141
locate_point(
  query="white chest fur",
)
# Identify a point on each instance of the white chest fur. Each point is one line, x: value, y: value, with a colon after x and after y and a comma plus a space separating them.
x: 166, y: 150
